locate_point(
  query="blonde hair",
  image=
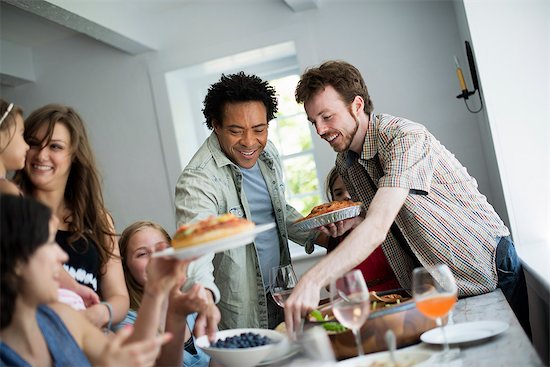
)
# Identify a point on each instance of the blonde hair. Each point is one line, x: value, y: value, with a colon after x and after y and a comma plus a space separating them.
x: 135, y: 290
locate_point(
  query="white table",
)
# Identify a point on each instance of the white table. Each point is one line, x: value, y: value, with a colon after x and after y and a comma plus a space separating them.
x: 510, y: 348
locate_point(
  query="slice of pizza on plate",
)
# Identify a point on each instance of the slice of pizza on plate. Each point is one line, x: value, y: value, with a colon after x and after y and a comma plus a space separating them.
x: 210, y: 229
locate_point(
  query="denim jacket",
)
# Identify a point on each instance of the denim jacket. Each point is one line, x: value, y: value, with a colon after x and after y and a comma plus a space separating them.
x: 212, y: 185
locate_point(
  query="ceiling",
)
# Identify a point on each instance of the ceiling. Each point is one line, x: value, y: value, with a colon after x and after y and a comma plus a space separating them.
x: 122, y: 24
x: 119, y: 23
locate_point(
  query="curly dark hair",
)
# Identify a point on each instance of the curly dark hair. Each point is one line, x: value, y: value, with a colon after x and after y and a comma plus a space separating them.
x: 25, y: 227
x: 235, y: 88
x: 345, y: 78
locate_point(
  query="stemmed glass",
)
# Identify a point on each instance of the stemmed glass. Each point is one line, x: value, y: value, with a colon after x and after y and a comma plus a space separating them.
x: 282, y: 281
x: 350, y: 303
x: 435, y: 293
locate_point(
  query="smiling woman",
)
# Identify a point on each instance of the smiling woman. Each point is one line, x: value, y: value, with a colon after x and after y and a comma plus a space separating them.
x: 60, y: 171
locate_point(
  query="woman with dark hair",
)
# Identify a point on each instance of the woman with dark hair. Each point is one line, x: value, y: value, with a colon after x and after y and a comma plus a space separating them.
x: 33, y: 334
x: 61, y: 172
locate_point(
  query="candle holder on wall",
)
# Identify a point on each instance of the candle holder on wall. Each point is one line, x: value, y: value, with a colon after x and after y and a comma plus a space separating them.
x: 465, y: 94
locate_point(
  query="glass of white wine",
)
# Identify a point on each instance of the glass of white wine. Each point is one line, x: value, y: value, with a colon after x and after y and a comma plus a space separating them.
x: 350, y: 303
x: 282, y: 281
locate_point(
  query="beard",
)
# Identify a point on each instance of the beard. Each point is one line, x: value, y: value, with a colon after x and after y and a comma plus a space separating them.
x: 347, y: 138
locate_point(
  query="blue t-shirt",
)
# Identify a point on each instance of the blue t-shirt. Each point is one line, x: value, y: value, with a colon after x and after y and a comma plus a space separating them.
x: 261, y: 209
x: 192, y: 357
x: 63, y: 348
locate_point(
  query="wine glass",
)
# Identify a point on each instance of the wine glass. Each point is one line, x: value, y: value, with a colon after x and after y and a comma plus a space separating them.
x: 282, y: 281
x: 350, y: 303
x: 435, y: 293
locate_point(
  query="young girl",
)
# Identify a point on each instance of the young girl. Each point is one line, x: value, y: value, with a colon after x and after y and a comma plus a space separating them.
x: 376, y: 270
x: 36, y: 332
x: 137, y: 243
x: 13, y: 147
x: 60, y: 171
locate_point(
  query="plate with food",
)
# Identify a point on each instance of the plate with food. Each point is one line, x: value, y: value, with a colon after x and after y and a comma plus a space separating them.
x: 328, y: 213
x: 212, y: 235
x: 380, y: 304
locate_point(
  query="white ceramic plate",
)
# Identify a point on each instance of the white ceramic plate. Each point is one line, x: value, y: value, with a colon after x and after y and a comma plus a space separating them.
x: 215, y: 246
x: 465, y: 332
x: 404, y: 357
x: 327, y: 218
x: 282, y: 351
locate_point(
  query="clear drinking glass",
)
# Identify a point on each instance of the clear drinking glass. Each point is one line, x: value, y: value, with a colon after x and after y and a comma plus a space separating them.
x: 350, y: 303
x: 282, y: 281
x: 435, y: 293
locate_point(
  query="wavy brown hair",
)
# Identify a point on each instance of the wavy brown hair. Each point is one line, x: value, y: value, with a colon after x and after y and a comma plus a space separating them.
x: 135, y: 290
x: 345, y: 78
x: 89, y: 219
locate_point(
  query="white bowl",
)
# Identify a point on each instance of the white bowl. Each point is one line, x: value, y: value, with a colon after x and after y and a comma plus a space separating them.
x: 243, y: 357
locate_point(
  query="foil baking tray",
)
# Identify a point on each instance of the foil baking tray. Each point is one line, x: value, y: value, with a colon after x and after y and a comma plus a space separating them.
x: 327, y: 218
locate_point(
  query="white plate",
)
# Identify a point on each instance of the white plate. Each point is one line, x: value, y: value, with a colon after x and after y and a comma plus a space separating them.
x: 465, y: 332
x: 331, y: 217
x: 404, y: 357
x: 284, y: 350
x: 215, y: 246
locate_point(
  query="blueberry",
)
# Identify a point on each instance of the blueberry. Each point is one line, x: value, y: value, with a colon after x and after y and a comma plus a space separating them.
x: 244, y: 340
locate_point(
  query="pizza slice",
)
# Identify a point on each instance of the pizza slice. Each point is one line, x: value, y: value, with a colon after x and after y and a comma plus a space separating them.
x: 210, y: 229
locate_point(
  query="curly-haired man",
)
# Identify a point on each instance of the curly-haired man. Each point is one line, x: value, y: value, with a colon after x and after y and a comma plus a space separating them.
x: 238, y: 170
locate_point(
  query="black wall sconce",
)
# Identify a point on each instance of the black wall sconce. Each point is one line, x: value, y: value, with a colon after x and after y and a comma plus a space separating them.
x: 473, y: 73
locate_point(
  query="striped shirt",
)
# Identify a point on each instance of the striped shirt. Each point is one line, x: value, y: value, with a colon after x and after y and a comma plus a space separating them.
x: 444, y: 219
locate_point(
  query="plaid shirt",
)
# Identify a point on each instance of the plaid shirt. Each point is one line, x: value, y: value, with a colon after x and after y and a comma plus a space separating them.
x: 445, y: 219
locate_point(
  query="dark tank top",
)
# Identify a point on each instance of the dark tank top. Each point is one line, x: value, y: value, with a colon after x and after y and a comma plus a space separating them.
x: 84, y: 263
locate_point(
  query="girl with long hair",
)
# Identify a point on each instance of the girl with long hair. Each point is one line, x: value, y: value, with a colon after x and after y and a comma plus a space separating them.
x: 137, y: 243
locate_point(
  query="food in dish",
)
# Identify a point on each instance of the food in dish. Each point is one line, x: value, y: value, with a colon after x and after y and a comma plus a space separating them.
x: 210, y: 229
x: 244, y: 340
x: 328, y: 208
x: 324, y: 316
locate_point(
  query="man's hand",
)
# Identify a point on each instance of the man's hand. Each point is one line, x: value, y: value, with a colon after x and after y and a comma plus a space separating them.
x: 341, y: 227
x: 207, y: 320
x: 304, y: 298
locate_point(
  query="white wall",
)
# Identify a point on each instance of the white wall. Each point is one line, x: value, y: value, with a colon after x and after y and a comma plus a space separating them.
x: 404, y: 48
x: 513, y: 65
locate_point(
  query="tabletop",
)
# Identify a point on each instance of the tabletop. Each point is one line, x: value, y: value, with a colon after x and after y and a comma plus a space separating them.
x: 509, y: 348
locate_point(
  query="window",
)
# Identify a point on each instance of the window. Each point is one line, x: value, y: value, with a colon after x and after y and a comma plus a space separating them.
x: 289, y: 131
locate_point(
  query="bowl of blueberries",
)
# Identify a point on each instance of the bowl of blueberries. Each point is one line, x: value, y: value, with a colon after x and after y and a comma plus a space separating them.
x: 242, y: 347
